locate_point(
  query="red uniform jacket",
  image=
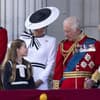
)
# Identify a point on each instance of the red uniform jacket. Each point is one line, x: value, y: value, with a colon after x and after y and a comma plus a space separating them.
x: 3, y: 43
x: 88, y: 63
x: 3, y: 47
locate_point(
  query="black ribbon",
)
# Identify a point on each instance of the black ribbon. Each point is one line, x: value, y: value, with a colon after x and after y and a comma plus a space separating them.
x: 30, y: 35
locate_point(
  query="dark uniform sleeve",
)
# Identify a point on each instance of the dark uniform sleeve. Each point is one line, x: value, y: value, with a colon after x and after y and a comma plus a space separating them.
x: 3, y: 43
x: 31, y: 80
x: 31, y: 83
x: 7, y: 74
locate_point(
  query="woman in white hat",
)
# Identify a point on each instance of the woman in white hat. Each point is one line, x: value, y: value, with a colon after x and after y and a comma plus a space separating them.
x: 41, y: 47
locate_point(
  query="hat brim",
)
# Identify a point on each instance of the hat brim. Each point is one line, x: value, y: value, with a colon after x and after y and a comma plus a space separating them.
x: 52, y: 17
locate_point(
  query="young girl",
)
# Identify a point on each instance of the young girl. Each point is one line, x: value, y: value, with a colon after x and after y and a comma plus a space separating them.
x: 17, y: 73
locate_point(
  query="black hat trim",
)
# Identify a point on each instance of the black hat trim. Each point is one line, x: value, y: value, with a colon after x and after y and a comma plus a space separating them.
x: 40, y: 15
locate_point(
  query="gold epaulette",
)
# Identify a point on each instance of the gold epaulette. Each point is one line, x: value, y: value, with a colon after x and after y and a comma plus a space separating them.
x: 55, y: 84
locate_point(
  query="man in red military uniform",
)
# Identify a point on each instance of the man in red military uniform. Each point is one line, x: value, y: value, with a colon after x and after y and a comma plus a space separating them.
x: 77, y: 57
x: 3, y: 47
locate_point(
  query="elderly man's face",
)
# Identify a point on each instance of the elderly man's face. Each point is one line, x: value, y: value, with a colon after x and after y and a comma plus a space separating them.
x: 70, y: 33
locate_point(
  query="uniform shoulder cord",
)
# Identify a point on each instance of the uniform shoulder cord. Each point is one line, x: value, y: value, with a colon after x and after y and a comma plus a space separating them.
x: 71, y: 50
x: 67, y: 53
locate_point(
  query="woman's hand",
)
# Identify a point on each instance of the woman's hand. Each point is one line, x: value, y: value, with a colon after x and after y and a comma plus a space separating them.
x: 38, y: 83
x: 89, y: 83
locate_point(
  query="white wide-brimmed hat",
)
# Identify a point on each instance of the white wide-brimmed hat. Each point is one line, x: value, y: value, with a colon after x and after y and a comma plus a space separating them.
x: 42, y: 18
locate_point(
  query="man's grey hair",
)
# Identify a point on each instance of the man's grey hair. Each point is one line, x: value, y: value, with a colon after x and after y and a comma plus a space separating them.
x: 73, y: 22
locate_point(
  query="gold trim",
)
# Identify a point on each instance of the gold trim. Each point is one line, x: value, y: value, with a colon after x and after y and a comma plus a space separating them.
x: 67, y: 53
x: 55, y: 84
x: 76, y: 74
